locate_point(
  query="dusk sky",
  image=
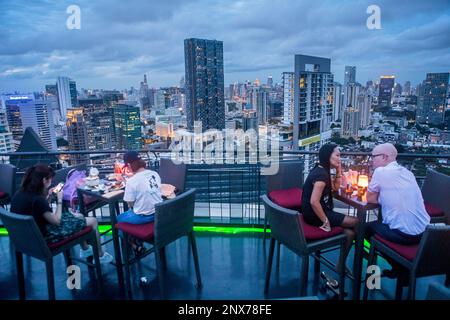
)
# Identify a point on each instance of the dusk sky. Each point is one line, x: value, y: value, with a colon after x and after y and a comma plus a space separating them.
x: 119, y: 41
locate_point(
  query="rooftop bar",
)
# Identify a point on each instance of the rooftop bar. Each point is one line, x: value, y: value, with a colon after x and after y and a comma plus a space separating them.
x: 228, y: 250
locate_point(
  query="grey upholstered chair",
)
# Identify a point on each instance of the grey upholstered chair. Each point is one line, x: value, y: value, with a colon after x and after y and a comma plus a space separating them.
x: 174, y: 219
x: 27, y: 239
x: 7, y: 183
x: 430, y: 257
x: 288, y: 228
x: 174, y: 174
x: 435, y: 192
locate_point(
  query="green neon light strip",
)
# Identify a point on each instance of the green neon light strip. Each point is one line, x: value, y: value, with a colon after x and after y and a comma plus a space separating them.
x: 222, y: 230
x: 228, y: 230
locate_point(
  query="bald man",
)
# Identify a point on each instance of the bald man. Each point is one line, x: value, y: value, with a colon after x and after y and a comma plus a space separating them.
x: 395, y: 188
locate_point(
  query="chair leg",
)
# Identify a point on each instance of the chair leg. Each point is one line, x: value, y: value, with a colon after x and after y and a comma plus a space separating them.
x: 98, y: 268
x: 126, y: 264
x: 195, y: 255
x: 163, y: 258
x: 412, y: 286
x: 398, y: 290
x: 342, y: 273
x: 160, y: 272
x: 370, y: 262
x: 50, y: 279
x: 20, y: 275
x: 68, y: 258
x: 317, y: 263
x: 265, y: 227
x: 304, y: 276
x: 269, y: 265
x: 278, y: 254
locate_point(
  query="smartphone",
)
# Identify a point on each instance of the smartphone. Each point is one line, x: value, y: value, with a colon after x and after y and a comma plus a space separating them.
x: 58, y: 188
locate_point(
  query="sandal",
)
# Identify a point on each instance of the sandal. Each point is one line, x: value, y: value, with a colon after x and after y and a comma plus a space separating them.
x: 138, y: 250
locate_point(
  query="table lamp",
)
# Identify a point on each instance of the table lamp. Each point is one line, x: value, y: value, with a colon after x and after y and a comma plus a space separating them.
x: 363, y: 183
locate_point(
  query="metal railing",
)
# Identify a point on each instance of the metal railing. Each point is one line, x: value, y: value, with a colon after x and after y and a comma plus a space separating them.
x: 228, y: 193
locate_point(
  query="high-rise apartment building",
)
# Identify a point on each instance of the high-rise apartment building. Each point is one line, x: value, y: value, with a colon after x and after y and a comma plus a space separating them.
x: 432, y: 100
x: 24, y: 111
x: 313, y: 101
x: 204, y: 83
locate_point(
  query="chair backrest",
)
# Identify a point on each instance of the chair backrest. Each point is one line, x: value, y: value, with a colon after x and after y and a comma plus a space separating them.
x: 61, y: 174
x: 285, y: 226
x: 435, y: 190
x: 174, y: 218
x: 8, y: 179
x: 171, y: 173
x: 25, y: 235
x: 289, y: 175
x: 433, y: 256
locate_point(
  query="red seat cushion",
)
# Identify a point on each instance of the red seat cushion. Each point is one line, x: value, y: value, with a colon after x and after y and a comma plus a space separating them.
x: 407, y: 252
x: 3, y: 194
x: 68, y: 239
x: 140, y: 231
x: 287, y: 198
x: 434, y: 211
x: 315, y: 233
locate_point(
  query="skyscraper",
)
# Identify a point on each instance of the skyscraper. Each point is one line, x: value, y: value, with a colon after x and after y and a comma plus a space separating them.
x: 67, y: 95
x: 364, y: 103
x: 127, y: 127
x: 144, y: 95
x: 385, y: 92
x: 349, y: 75
x: 77, y: 134
x: 270, y: 81
x: 338, y: 99
x: 313, y: 101
x: 397, y: 89
x: 432, y: 102
x: 407, y: 88
x: 6, y: 137
x: 351, y: 92
x: 24, y: 111
x: 349, y: 88
x: 288, y: 97
x: 204, y: 83
x: 262, y: 106
x: 99, y: 124
x: 249, y: 120
x: 350, y: 122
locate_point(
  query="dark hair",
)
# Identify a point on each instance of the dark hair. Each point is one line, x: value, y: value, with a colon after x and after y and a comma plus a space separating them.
x: 33, y: 178
x: 325, y: 153
x: 137, y: 164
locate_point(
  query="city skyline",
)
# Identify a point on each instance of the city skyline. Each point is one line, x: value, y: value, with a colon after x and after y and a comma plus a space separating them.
x: 113, y: 51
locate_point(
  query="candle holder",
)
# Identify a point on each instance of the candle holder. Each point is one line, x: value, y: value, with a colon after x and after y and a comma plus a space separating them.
x: 363, y: 183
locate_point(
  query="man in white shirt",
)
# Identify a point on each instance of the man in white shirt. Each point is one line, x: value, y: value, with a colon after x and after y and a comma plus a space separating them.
x: 395, y: 188
x: 142, y: 191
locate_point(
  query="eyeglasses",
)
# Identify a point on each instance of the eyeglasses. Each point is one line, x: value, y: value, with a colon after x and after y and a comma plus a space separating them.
x: 372, y: 156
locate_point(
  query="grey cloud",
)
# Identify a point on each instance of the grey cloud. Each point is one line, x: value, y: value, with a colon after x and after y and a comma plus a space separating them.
x: 119, y: 41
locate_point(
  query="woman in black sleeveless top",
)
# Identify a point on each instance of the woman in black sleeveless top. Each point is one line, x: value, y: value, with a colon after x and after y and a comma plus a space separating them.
x: 317, y: 199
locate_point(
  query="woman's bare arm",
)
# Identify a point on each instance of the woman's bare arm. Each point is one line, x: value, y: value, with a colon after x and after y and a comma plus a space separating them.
x: 318, y: 189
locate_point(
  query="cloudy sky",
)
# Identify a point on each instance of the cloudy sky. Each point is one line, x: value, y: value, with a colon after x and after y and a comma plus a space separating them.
x: 119, y: 41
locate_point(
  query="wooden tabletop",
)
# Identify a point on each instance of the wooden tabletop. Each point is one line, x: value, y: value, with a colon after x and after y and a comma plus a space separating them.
x: 354, y: 201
